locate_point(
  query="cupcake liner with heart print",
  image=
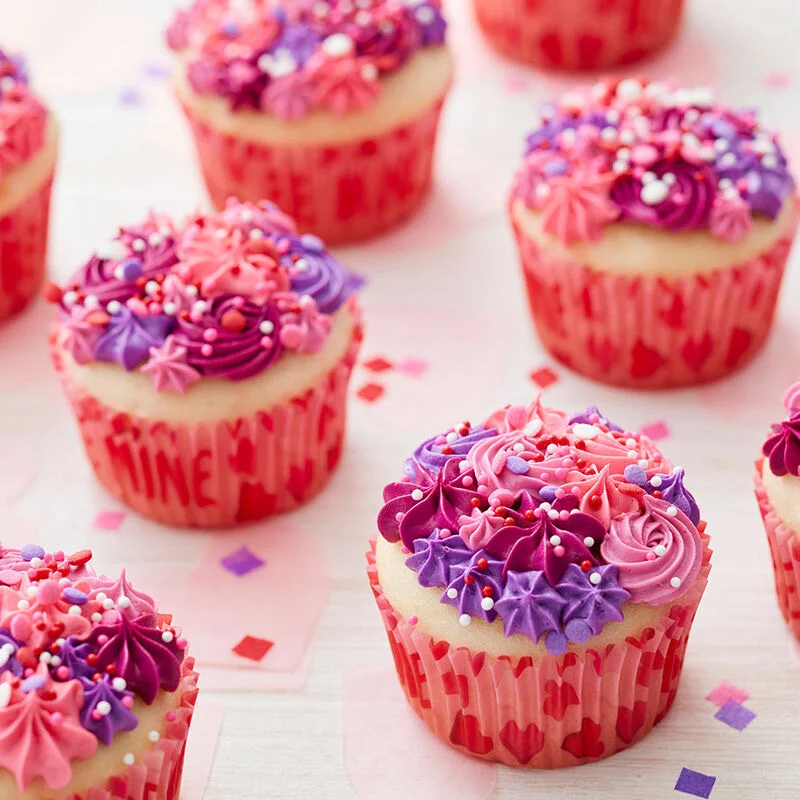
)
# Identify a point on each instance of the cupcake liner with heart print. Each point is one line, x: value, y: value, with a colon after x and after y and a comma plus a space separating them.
x: 224, y: 472
x: 560, y: 711
x: 23, y: 249
x: 578, y: 34
x: 784, y: 547
x: 343, y: 192
x: 652, y: 333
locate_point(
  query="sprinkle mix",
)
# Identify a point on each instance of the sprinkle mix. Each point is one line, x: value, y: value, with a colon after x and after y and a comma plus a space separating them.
x: 289, y: 59
x: 551, y: 523
x: 653, y: 153
x: 225, y: 295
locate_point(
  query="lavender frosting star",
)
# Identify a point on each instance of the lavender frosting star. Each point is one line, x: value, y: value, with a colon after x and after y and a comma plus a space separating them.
x: 529, y: 605
x: 673, y: 491
x: 586, y: 418
x: 8, y: 655
x: 73, y: 656
x: 590, y: 605
x: 432, y: 455
x: 119, y: 718
x: 436, y: 561
x: 466, y: 590
x: 128, y: 338
x: 318, y: 274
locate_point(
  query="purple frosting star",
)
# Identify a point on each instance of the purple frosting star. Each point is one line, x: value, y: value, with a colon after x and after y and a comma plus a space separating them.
x: 299, y: 40
x: 589, y: 606
x: 428, y: 458
x: 586, y: 418
x: 8, y: 657
x: 436, y: 561
x: 530, y: 605
x: 673, y: 491
x: 128, y: 338
x: 73, y: 656
x: 466, y: 590
x: 119, y: 718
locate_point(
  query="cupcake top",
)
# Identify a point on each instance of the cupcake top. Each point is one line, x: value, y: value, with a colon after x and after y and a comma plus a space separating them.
x: 77, y: 650
x: 782, y: 448
x: 289, y: 58
x: 652, y: 153
x: 551, y: 523
x: 221, y: 295
x: 23, y: 118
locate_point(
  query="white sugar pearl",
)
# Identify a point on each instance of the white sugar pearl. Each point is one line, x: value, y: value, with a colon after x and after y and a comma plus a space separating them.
x: 624, y: 154
x: 96, y: 617
x: 138, y: 245
x: 90, y: 301
x: 487, y: 604
x: 55, y: 661
x: 656, y: 481
x: 632, y: 454
x: 552, y: 513
x: 151, y: 287
x: 643, y: 463
x: 192, y: 290
x: 108, y: 604
x: 33, y: 591
x: 119, y: 684
x: 369, y: 72
x: 629, y: 89
x: 660, y: 550
x: 769, y: 161
x: 416, y: 495
x: 630, y: 443
x: 585, y: 431
x: 545, y: 506
x: 675, y: 582
x: 465, y: 620
x: 36, y: 562
x: 167, y: 637
x: 463, y: 465
x: 75, y: 610
x: 627, y: 136
x: 620, y: 166
x: 451, y: 437
x: 123, y: 602
x: 69, y: 298
x: 672, y: 511
x: 338, y: 45
x: 452, y: 593
x: 170, y: 309
x: 533, y: 427
x: 589, y: 541
x: 23, y: 605
x: 46, y: 657
x: 542, y: 191
x: 114, y: 307
x: 4, y: 656
x: 103, y: 707
x: 155, y: 239
x: 200, y: 307
x: 608, y: 134
x: 654, y: 193
x: 266, y: 327
x: 154, y: 736
x: 595, y: 578
x: 129, y: 759
x: 518, y: 447
x: 5, y: 694
x: 555, y: 540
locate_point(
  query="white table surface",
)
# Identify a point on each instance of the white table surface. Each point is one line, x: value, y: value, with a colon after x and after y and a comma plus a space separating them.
x: 444, y: 288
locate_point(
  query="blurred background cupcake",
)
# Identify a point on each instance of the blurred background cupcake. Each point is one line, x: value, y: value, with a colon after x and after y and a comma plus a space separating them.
x: 579, y: 34
x: 653, y: 226
x: 207, y: 364
x: 28, y: 150
x: 97, y: 691
x: 330, y: 109
x: 538, y: 576
x: 777, y: 483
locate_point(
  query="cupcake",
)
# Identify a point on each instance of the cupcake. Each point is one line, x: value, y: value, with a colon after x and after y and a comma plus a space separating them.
x: 28, y: 149
x: 777, y: 486
x: 207, y: 364
x: 96, y: 689
x: 538, y: 576
x: 330, y: 109
x: 653, y: 226
x: 578, y: 34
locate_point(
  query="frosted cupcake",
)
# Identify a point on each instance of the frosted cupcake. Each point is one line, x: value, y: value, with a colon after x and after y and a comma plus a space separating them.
x: 579, y: 34
x: 330, y: 109
x: 28, y: 149
x: 207, y: 364
x: 777, y: 488
x: 538, y: 576
x: 96, y: 689
x: 654, y: 225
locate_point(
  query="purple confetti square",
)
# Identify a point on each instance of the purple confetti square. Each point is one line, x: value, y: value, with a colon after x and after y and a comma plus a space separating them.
x: 156, y: 70
x: 695, y: 783
x: 735, y: 715
x: 242, y: 562
x: 131, y: 96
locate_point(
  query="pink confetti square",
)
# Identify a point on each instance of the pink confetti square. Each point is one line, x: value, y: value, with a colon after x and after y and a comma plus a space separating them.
x: 544, y: 377
x: 413, y: 367
x: 720, y: 695
x: 778, y: 80
x: 109, y: 520
x: 656, y: 430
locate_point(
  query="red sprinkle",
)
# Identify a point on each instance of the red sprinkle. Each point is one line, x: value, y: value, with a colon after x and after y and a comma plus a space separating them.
x: 586, y: 565
x: 80, y: 558
x: 233, y: 321
x: 469, y: 579
x: 52, y: 293
x: 482, y: 563
x: 487, y: 591
x: 475, y: 502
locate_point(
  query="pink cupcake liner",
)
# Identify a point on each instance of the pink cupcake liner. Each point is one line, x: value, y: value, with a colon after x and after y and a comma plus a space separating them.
x: 342, y: 193
x: 157, y: 774
x: 23, y: 250
x: 784, y: 547
x: 652, y: 333
x: 223, y: 473
x: 563, y: 711
x: 579, y: 34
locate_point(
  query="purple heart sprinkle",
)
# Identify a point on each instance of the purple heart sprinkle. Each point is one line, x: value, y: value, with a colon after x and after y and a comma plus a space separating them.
x: 548, y: 493
x: 75, y: 596
x: 635, y: 474
x: 517, y: 465
x: 31, y: 551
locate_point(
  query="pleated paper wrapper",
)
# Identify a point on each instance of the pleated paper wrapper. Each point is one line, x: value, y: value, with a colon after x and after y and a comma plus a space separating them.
x: 784, y: 547
x: 559, y: 712
x: 156, y: 774
x: 343, y: 192
x: 23, y: 250
x: 652, y: 333
x: 579, y: 34
x: 224, y: 472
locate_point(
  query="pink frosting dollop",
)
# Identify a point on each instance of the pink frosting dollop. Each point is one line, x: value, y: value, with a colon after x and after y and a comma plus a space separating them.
x: 658, y: 552
x: 605, y: 497
x: 730, y: 217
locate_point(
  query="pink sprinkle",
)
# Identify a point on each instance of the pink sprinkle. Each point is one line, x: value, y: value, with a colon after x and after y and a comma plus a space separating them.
x: 195, y: 316
x: 238, y: 302
x: 644, y: 154
x: 563, y: 514
x: 266, y: 342
x: 468, y: 480
x: 560, y: 492
x: 283, y: 246
x: 206, y: 350
x: 440, y: 439
x: 483, y: 489
x: 651, y: 556
x: 96, y: 715
x: 181, y: 643
x: 57, y: 718
x: 399, y: 516
x: 102, y: 639
x: 210, y: 335
x: 59, y: 555
x: 170, y: 715
x: 559, y: 551
x: 413, y: 367
x: 537, y: 512
x: 62, y: 673
x: 155, y: 308
x: 445, y: 534
x: 127, y: 701
x: 413, y: 620
x: 778, y: 80
x: 575, y: 490
x: 725, y: 692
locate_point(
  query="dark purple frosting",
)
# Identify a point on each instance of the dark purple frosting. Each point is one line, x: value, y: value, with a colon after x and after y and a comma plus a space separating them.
x: 588, y: 418
x: 673, y: 491
x: 140, y: 655
x: 429, y: 458
x: 235, y: 356
x: 468, y: 590
x: 106, y: 726
x: 8, y: 660
x: 530, y: 605
x: 437, y: 561
x: 783, y: 448
x: 589, y: 606
x: 128, y: 338
x: 73, y: 656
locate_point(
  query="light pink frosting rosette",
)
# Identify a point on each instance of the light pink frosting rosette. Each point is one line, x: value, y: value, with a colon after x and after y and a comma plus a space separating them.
x: 658, y: 553
x: 518, y: 417
x: 614, y: 498
x: 616, y: 451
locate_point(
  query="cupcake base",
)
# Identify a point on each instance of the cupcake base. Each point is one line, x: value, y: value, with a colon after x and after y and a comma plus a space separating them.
x: 344, y: 192
x: 651, y: 333
x: 224, y: 472
x: 578, y: 34
x: 557, y: 711
x: 784, y: 547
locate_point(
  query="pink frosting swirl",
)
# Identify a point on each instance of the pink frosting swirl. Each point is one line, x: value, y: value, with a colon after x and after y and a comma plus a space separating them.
x: 605, y: 497
x: 617, y: 450
x: 658, y: 552
x: 536, y: 417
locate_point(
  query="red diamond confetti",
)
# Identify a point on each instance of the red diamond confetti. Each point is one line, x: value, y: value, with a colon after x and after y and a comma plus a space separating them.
x: 378, y: 364
x: 253, y: 648
x: 371, y: 392
x: 544, y: 377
